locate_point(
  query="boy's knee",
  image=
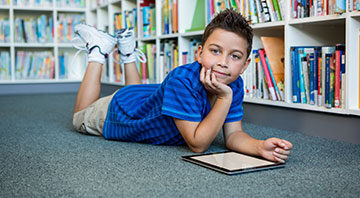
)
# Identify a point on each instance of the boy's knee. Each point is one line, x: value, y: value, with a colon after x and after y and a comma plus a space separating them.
x: 77, y: 121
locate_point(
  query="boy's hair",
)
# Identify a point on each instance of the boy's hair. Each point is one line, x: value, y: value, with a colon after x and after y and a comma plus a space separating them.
x: 231, y: 21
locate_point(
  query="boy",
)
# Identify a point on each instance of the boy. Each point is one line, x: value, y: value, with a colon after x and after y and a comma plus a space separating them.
x: 190, y: 106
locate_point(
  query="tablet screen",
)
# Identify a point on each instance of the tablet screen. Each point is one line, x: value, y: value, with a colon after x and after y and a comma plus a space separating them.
x: 232, y: 161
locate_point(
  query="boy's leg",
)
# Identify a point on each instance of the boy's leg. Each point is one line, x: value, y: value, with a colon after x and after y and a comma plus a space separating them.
x: 126, y: 43
x: 131, y: 74
x: 90, y: 87
x: 99, y: 45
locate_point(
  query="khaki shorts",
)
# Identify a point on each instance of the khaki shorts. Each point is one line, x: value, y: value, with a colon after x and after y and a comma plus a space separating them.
x: 91, y: 119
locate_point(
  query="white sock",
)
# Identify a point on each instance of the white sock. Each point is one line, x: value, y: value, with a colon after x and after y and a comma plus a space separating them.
x: 95, y: 56
x: 128, y: 59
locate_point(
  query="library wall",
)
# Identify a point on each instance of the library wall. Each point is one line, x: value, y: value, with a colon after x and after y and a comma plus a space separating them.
x: 317, y: 69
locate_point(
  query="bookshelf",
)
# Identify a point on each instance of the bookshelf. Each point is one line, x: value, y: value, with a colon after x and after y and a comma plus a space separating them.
x: 49, y: 16
x: 310, y: 31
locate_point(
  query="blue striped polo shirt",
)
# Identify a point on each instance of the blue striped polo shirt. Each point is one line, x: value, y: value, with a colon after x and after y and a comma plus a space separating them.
x: 144, y: 113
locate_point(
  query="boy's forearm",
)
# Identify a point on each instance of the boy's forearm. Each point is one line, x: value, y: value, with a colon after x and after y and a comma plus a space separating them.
x: 211, y: 125
x: 242, y: 142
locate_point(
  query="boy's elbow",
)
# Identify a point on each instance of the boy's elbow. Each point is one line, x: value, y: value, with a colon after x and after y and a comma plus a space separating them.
x: 198, y: 149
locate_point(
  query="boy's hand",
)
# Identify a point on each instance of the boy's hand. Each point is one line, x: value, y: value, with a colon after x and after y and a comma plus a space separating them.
x: 210, y: 83
x: 275, y: 149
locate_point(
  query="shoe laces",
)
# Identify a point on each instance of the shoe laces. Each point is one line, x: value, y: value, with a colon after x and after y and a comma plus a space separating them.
x: 78, y: 43
x: 138, y: 53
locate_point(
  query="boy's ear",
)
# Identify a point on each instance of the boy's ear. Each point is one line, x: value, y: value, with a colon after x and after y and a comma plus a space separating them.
x: 198, y: 54
x: 247, y: 63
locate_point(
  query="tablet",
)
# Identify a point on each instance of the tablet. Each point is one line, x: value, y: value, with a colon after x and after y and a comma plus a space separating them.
x: 230, y: 162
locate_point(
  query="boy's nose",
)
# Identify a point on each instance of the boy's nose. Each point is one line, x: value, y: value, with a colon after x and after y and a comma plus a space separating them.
x: 222, y: 61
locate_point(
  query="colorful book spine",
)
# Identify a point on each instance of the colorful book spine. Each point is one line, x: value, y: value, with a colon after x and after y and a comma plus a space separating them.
x: 319, y: 81
x: 277, y: 10
x: 295, y: 77
x: 34, y: 65
x: 4, y: 30
x: 332, y: 80
x: 337, y: 76
x: 118, y: 21
x: 278, y: 96
x: 301, y: 75
x: 312, y: 94
x: 5, y: 67
x: 267, y: 75
x: 169, y: 16
x: 66, y: 25
x: 340, y: 6
x: 266, y: 11
x: 33, y: 30
x: 70, y: 3
x: 327, y: 80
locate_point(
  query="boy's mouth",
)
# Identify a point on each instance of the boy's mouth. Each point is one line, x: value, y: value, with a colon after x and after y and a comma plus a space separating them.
x: 220, y: 74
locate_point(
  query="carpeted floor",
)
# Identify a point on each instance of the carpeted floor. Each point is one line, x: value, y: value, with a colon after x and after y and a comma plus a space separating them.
x: 41, y: 156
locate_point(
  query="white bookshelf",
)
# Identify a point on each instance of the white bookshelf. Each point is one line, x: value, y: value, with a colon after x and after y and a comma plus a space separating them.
x: 311, y: 31
x: 55, y: 47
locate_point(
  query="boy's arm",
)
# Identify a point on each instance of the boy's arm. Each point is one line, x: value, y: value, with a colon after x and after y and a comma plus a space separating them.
x: 199, y: 135
x: 273, y: 149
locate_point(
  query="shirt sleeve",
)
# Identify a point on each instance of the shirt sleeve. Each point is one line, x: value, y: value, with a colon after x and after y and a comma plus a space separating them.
x: 181, y: 100
x: 236, y: 111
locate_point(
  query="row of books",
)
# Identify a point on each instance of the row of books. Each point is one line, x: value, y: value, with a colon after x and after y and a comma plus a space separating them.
x: 353, y: 5
x: 318, y: 75
x: 149, y: 20
x: 190, y: 55
x: 64, y: 64
x: 66, y: 26
x: 34, y: 65
x: 169, y: 57
x: 33, y: 30
x: 5, y: 66
x: 126, y: 19
x: 310, y: 8
x: 33, y: 3
x: 149, y: 71
x: 71, y: 3
x: 264, y: 78
x: 118, y: 70
x: 4, y: 30
x: 255, y: 11
x: 4, y: 2
x: 169, y: 16
x: 153, y: 72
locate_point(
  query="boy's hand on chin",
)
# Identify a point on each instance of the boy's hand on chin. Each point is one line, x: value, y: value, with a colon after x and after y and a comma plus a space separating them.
x: 275, y: 149
x: 215, y: 87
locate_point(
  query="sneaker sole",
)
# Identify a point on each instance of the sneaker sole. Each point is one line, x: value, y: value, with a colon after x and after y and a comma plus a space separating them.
x: 108, y: 36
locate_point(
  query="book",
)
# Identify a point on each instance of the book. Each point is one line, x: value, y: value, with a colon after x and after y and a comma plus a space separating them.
x: 198, y: 23
x: 295, y: 76
x: 34, y: 65
x: 277, y: 10
x: 338, y: 53
x: 325, y: 50
x: 328, y: 59
x: 267, y: 74
x: 5, y: 65
x: 266, y: 11
x: 274, y: 48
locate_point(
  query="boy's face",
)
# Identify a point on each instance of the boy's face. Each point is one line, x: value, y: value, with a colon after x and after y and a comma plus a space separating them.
x: 224, y: 53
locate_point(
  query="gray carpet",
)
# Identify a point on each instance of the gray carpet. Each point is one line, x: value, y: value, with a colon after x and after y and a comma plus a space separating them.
x: 41, y: 156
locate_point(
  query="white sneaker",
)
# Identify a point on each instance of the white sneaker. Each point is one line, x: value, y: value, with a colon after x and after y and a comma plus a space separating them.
x: 127, y: 46
x: 98, y: 44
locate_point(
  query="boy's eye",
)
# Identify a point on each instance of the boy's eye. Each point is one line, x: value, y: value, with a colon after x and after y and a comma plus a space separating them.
x: 234, y: 56
x: 215, y: 51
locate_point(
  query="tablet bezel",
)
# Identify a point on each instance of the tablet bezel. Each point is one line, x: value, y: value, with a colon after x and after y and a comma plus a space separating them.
x: 190, y: 158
